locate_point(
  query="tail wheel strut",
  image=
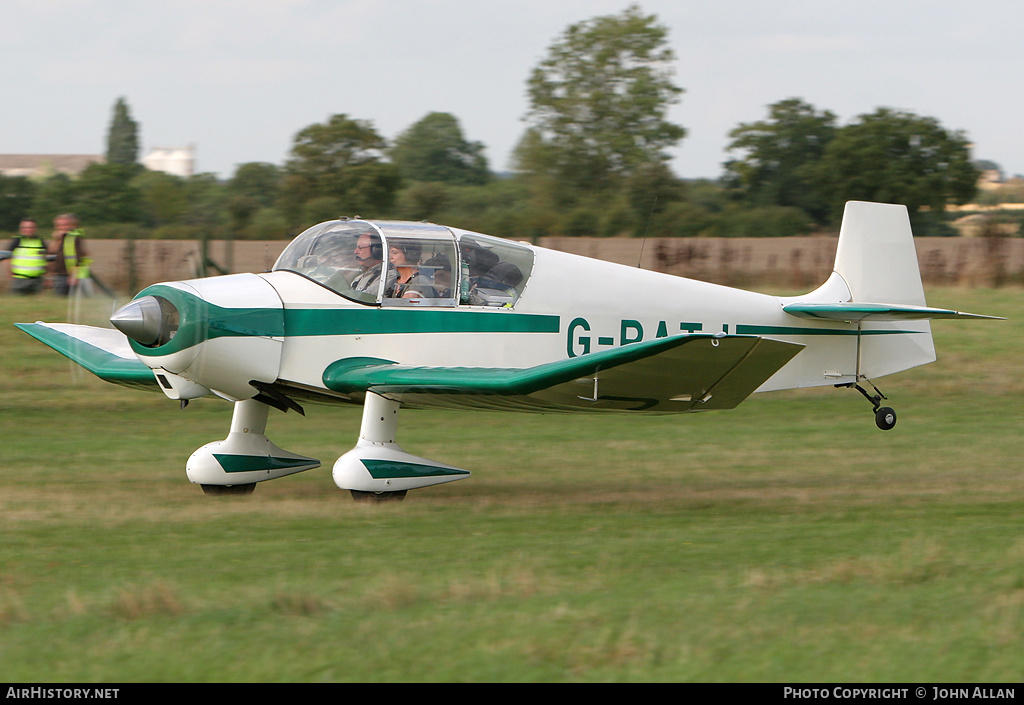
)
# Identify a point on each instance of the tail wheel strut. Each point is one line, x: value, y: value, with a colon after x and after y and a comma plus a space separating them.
x: 885, y: 416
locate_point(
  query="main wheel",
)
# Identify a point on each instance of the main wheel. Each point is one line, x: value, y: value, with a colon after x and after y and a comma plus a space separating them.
x: 361, y: 496
x: 885, y: 418
x: 229, y: 489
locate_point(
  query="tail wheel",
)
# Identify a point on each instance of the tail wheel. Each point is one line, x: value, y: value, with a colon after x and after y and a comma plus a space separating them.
x: 885, y: 418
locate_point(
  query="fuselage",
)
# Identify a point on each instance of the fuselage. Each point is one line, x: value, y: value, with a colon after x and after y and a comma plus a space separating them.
x: 288, y: 325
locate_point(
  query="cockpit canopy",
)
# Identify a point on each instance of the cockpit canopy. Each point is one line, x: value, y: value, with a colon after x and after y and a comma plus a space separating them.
x: 409, y: 264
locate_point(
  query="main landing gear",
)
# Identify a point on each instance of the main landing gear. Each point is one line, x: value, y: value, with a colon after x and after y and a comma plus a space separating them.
x: 377, y: 469
x: 885, y: 416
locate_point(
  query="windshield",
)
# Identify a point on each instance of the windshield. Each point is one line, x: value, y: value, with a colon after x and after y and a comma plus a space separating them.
x: 346, y: 256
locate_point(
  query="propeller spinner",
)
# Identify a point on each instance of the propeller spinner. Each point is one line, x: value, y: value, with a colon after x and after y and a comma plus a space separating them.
x: 148, y: 320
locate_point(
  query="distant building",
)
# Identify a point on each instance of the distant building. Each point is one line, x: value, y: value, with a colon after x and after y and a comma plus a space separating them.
x: 42, y: 165
x: 990, y: 179
x: 180, y: 161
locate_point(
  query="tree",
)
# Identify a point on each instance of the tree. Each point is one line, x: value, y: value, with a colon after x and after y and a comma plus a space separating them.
x: 105, y: 193
x: 164, y: 200
x: 54, y: 195
x: 341, y: 159
x: 122, y: 137
x: 779, y: 157
x: 253, y: 188
x: 434, y: 149
x: 16, y: 195
x: 598, y: 103
x: 258, y: 181
x: 650, y: 191
x: 897, y: 157
x: 206, y: 197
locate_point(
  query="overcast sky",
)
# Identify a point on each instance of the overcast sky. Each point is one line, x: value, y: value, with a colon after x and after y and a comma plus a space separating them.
x: 238, y: 78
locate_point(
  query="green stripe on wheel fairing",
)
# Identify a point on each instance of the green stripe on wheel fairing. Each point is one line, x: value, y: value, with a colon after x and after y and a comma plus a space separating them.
x: 392, y: 469
x: 250, y: 463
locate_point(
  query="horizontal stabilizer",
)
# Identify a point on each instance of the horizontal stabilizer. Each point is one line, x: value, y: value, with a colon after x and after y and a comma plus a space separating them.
x: 680, y: 373
x: 103, y: 351
x: 855, y: 311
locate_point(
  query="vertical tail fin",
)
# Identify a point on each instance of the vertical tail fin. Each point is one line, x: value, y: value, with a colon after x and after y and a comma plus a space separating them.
x: 876, y: 256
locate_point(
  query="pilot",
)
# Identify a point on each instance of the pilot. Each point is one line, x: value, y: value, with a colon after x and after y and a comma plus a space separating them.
x: 369, y: 254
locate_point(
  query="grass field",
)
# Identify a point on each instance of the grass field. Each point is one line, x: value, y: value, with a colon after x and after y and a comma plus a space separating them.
x: 786, y: 541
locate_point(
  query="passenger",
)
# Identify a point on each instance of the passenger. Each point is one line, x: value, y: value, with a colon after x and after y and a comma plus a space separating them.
x: 497, y: 287
x: 478, y: 260
x: 503, y: 275
x: 439, y: 269
x: 410, y: 283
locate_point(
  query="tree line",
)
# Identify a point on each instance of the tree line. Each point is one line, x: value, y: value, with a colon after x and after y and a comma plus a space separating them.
x: 593, y: 161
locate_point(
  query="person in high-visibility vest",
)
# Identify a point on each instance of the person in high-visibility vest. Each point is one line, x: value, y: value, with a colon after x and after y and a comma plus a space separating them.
x: 71, y: 260
x: 27, y: 260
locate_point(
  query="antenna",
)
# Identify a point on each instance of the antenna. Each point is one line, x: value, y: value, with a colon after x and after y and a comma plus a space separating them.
x: 646, y: 228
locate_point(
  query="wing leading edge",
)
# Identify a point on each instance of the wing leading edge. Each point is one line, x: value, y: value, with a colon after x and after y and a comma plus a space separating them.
x: 103, y: 351
x: 696, y: 372
x: 676, y: 374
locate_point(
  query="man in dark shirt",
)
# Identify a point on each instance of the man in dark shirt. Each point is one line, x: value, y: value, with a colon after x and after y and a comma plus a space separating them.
x: 71, y: 260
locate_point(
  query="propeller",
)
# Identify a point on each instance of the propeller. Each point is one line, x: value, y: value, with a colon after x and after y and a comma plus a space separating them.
x: 89, y: 302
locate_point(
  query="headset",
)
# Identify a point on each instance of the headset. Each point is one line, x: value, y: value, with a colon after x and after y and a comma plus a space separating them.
x: 376, y: 248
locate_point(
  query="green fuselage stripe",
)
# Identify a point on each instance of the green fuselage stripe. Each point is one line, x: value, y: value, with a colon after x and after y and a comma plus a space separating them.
x: 307, y: 322
x: 304, y: 322
x: 799, y: 330
x: 201, y: 320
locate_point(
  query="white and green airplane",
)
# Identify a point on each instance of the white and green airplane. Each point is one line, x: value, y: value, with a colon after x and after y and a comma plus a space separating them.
x: 396, y: 315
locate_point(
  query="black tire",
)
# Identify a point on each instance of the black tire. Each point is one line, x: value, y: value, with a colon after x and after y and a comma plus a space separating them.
x: 361, y: 496
x: 222, y: 490
x: 885, y: 418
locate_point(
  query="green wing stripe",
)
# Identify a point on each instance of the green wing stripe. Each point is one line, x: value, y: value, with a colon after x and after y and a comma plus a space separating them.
x: 87, y: 352
x: 360, y: 374
x: 666, y: 375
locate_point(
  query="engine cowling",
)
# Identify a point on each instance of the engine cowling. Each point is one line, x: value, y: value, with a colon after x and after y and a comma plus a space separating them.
x: 215, y: 334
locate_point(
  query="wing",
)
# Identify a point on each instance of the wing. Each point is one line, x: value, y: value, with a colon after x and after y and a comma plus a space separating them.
x: 103, y: 351
x: 876, y: 312
x: 677, y: 374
